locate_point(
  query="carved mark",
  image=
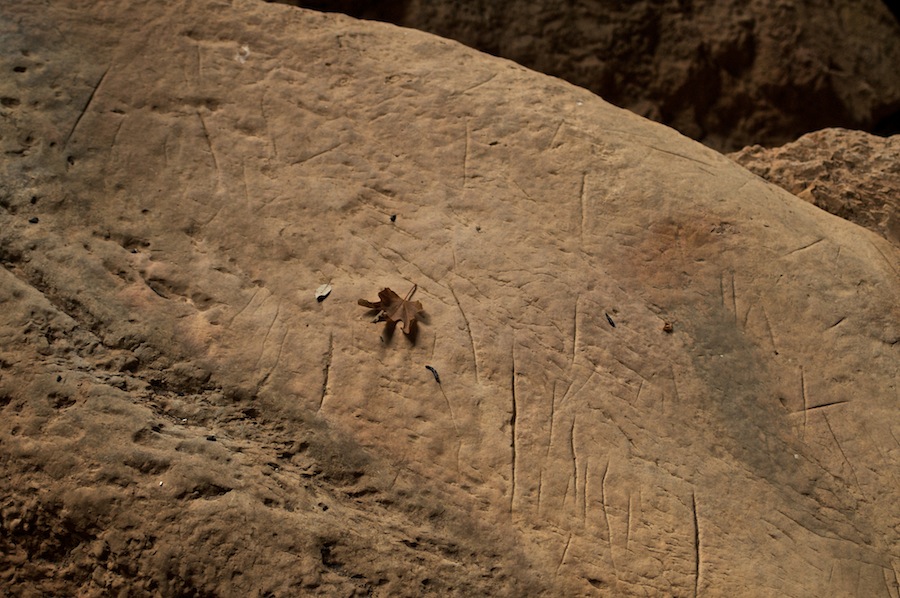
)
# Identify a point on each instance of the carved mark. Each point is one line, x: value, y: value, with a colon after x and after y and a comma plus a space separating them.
x: 317, y: 154
x: 697, y: 552
x: 326, y: 370
x: 681, y: 156
x: 277, y: 360
x: 805, y: 400
x: 584, y: 490
x: 208, y: 142
x: 628, y: 523
x: 468, y: 330
x: 582, y: 200
x: 575, y: 330
x: 87, y: 105
x: 771, y: 333
x: 886, y: 260
x: 466, y: 157
x: 477, y: 85
x: 807, y: 246
x: 734, y: 299
x: 841, y: 319
x: 262, y: 348
x: 455, y: 425
x: 843, y: 454
x: 552, y: 412
x: 574, y: 460
x: 540, y: 488
x: 512, y: 424
x: 556, y: 133
x: 565, y: 553
x: 605, y: 511
x: 724, y: 288
x: 832, y: 403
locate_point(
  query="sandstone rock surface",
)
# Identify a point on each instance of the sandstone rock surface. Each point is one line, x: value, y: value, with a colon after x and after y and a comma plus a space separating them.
x: 729, y: 74
x: 181, y: 416
x: 850, y: 174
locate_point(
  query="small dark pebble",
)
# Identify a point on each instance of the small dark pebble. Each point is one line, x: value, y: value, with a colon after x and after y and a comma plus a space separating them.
x: 393, y: 218
x: 211, y: 438
x: 34, y: 220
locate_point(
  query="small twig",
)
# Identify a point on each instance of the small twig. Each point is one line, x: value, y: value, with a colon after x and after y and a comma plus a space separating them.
x: 411, y: 291
x: 434, y: 373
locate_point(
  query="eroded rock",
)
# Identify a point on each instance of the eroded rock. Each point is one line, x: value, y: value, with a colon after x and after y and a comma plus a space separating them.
x: 850, y: 174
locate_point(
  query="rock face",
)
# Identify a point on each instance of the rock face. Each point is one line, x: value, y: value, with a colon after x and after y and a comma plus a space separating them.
x: 851, y: 174
x: 659, y: 374
x: 729, y: 74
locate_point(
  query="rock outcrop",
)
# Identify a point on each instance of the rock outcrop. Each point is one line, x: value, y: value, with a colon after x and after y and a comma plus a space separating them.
x: 659, y: 374
x: 729, y: 74
x: 850, y: 174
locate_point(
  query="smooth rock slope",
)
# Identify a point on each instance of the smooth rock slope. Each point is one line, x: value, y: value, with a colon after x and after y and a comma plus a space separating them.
x: 659, y: 375
x: 728, y: 73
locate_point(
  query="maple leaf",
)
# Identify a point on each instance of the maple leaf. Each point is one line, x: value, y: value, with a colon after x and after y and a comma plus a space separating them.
x: 394, y: 309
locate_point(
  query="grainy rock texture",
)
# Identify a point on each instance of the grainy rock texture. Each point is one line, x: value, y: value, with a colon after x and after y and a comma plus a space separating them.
x: 729, y: 73
x: 851, y: 174
x: 181, y: 416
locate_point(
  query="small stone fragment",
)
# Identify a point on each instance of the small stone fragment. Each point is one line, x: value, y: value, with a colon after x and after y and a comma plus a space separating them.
x: 667, y: 328
x: 322, y: 292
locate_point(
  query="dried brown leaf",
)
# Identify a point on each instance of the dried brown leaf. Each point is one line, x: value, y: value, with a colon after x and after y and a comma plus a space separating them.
x: 396, y: 309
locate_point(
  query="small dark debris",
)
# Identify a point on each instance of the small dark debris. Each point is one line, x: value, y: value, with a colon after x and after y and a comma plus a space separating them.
x: 34, y: 199
x: 211, y: 437
x: 478, y: 229
x: 433, y: 373
x: 393, y: 218
x: 610, y: 320
x: 668, y: 328
x: 59, y: 378
x: 34, y: 220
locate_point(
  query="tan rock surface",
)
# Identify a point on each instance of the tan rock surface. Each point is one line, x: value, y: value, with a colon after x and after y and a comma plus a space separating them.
x: 728, y: 73
x: 850, y: 174
x: 181, y: 416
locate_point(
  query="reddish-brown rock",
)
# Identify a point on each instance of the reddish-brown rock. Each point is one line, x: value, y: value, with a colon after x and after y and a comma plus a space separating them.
x: 851, y: 174
x: 182, y: 416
